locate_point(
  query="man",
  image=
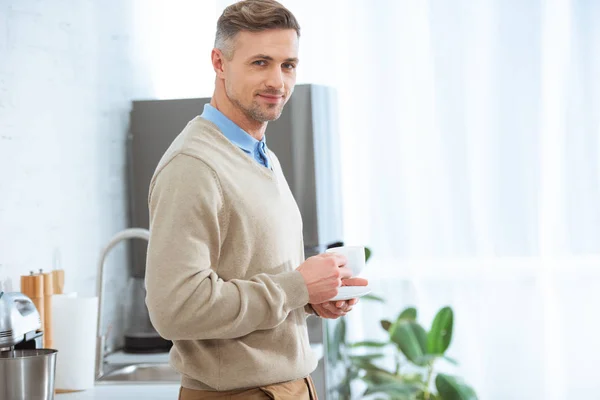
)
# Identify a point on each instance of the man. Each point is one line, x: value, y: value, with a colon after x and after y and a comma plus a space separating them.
x: 226, y: 277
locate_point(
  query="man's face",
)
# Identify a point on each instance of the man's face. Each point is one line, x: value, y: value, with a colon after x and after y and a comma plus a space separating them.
x: 260, y: 77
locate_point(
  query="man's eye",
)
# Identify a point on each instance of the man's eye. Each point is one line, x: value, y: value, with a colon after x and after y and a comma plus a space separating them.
x: 289, y: 66
x: 260, y: 63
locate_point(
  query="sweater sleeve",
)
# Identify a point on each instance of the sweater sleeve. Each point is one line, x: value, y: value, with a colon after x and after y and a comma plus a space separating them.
x: 186, y: 299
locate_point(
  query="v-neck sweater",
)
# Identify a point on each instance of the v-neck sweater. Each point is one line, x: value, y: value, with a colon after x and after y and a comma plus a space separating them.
x: 221, y: 279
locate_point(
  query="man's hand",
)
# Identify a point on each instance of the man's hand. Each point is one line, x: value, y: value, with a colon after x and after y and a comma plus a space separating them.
x: 323, y: 275
x: 336, y: 309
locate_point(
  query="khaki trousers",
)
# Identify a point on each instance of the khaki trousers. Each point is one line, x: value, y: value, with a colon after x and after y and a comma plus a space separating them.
x: 300, y: 389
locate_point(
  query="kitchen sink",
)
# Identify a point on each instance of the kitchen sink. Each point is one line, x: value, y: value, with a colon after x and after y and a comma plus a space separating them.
x: 139, y: 373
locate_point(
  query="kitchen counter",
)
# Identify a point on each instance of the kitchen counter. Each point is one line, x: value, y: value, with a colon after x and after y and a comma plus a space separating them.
x: 124, y: 392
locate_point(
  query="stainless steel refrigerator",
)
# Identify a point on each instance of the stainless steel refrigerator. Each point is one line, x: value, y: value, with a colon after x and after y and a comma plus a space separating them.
x: 305, y: 139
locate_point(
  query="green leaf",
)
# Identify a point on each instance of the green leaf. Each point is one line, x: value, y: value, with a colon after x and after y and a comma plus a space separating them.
x: 432, y: 396
x: 409, y: 314
x: 365, y: 361
x: 367, y: 254
x: 380, y: 376
x: 373, y: 298
x: 450, y: 360
x: 440, y: 335
x: 367, y: 356
x: 366, y: 365
x: 369, y: 344
x: 396, y: 390
x: 381, y: 381
x: 453, y: 388
x: 385, y: 324
x: 427, y: 359
x: 414, y: 378
x: 411, y: 338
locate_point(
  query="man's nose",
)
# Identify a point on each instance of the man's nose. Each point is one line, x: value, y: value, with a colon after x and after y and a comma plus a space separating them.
x: 275, y: 79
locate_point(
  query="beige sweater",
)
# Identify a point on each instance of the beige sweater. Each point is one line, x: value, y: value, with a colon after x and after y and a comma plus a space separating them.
x: 225, y: 240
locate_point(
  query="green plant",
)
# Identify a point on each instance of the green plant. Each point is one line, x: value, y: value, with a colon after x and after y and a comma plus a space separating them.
x: 415, y: 353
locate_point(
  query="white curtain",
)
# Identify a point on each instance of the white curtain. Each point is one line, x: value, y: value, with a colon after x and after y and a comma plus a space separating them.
x: 470, y: 147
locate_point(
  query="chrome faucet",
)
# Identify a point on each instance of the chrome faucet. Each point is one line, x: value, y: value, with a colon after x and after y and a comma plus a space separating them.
x: 130, y: 233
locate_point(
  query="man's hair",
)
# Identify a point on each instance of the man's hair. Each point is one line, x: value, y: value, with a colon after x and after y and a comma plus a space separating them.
x: 252, y: 16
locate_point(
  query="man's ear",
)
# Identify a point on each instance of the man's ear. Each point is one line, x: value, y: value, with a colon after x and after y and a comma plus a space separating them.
x: 218, y: 62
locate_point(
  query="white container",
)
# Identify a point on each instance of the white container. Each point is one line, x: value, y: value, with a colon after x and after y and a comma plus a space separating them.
x: 74, y: 323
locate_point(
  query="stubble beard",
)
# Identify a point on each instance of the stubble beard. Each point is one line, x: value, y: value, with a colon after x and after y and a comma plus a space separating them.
x: 256, y: 111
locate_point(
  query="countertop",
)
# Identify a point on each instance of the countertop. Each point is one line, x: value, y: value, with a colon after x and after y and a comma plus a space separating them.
x: 125, y: 392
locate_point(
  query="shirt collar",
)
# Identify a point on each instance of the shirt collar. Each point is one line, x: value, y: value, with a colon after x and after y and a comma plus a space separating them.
x: 234, y: 133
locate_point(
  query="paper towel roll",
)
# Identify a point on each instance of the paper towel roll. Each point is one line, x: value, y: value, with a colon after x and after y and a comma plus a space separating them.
x: 74, y: 321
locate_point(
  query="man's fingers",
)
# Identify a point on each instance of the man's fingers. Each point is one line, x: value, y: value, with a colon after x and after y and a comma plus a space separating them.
x: 355, y: 282
x: 335, y: 309
x: 344, y: 305
x: 340, y: 259
x: 344, y: 274
x: 330, y: 306
x: 323, y: 312
x: 331, y: 314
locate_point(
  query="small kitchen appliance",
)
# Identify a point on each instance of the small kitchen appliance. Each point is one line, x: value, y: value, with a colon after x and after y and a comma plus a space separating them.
x: 26, y: 370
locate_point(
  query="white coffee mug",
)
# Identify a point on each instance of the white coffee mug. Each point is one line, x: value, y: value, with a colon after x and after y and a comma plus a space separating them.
x: 355, y: 256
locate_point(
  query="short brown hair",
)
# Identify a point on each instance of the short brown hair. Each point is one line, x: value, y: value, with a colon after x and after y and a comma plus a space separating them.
x: 252, y: 16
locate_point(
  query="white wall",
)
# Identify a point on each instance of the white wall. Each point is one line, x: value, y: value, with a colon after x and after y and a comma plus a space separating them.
x: 66, y: 83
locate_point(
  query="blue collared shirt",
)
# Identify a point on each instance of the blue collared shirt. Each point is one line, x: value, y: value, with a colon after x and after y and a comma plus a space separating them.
x: 256, y: 149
